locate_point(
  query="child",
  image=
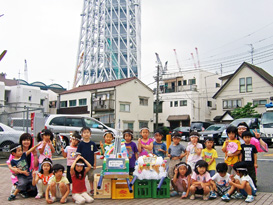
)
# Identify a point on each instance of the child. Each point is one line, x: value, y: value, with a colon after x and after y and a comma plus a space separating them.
x: 58, y: 186
x: 200, y: 180
x: 241, y: 181
x: 231, y: 148
x: 131, y: 149
x: 159, y: 147
x: 220, y: 181
x: 108, y: 138
x: 194, y: 150
x: 175, y: 153
x: 181, y: 180
x: 46, y: 148
x: 145, y: 145
x: 20, y: 165
x: 209, y: 154
x: 70, y: 152
x: 78, y: 173
x: 249, y: 155
x: 88, y: 150
x: 42, y: 178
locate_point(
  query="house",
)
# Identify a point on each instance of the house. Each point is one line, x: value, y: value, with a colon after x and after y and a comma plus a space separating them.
x: 186, y: 96
x: 121, y: 104
x: 248, y: 83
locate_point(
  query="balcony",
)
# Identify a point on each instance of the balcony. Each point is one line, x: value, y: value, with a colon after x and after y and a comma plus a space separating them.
x: 175, y: 89
x: 103, y: 105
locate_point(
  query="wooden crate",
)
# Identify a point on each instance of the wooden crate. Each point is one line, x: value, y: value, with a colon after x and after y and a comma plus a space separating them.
x: 105, y: 191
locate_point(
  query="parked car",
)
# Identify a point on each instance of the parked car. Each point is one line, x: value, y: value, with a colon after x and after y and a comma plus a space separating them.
x: 213, y: 131
x: 65, y: 124
x: 199, y: 126
x: 8, y: 136
x: 253, y: 123
x: 184, y: 131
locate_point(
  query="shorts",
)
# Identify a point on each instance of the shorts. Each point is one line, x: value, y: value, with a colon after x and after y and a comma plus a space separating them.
x: 199, y: 191
x: 58, y: 192
x: 90, y: 175
x: 211, y: 173
x: 243, y: 192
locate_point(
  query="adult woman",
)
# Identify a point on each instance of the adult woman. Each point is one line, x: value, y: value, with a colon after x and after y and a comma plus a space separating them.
x: 260, y: 145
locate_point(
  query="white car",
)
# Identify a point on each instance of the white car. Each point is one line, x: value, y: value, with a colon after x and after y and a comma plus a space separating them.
x: 8, y: 136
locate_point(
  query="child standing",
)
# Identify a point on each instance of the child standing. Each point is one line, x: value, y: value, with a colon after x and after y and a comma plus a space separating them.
x: 194, y: 150
x: 70, y: 152
x: 46, y: 148
x: 58, y: 186
x: 241, y: 181
x: 200, y: 180
x: 231, y: 148
x: 131, y: 149
x: 108, y: 138
x: 145, y: 145
x: 181, y: 180
x: 249, y: 155
x: 20, y: 165
x: 78, y: 173
x: 209, y: 154
x: 88, y: 150
x: 175, y: 153
x: 159, y: 147
x: 220, y: 181
x: 42, y: 178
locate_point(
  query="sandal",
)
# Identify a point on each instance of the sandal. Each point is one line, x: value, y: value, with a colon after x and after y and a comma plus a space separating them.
x: 92, y: 192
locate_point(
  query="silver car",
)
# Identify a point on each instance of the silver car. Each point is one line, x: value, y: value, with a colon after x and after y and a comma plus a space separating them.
x: 8, y: 136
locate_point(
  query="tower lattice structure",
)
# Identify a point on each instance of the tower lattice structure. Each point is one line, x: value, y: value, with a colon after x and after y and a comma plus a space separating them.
x: 109, y: 44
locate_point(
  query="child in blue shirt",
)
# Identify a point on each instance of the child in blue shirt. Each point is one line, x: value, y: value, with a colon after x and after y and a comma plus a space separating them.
x: 159, y: 147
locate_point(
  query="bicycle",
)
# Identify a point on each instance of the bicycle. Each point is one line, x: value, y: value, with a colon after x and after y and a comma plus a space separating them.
x: 58, y: 143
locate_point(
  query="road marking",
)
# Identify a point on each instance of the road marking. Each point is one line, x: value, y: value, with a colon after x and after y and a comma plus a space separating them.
x: 268, y: 155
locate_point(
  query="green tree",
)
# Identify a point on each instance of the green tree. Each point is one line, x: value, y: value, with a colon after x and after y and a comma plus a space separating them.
x: 247, y: 111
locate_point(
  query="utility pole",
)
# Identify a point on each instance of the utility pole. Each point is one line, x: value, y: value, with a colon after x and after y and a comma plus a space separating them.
x: 157, y: 97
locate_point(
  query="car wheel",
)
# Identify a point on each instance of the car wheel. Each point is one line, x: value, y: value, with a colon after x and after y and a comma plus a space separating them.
x: 220, y: 141
x: 5, y: 146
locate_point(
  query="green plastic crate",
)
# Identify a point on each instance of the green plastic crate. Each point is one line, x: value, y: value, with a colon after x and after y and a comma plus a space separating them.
x: 142, y: 189
x: 164, y: 191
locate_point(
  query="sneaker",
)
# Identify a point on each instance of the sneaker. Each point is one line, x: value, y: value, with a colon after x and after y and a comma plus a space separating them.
x: 212, y: 195
x: 53, y: 199
x: 24, y: 194
x: 184, y: 194
x: 206, y: 197
x: 249, y: 198
x: 38, y: 197
x: 11, y: 197
x: 173, y: 193
x: 237, y: 195
x: 192, y: 197
x: 225, y: 198
x: 92, y: 192
x: 13, y: 188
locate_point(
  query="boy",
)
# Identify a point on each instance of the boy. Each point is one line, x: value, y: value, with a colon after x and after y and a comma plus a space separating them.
x: 88, y: 150
x: 108, y: 138
x: 58, y: 185
x: 19, y: 165
x: 220, y: 180
x: 159, y: 147
x: 231, y: 148
x: 209, y: 155
x: 249, y: 155
x: 175, y: 153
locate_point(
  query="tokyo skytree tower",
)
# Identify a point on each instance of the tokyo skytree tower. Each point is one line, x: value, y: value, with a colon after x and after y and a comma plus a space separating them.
x: 109, y: 45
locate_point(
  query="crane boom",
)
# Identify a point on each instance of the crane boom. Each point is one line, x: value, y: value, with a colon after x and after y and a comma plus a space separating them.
x: 177, y: 62
x: 77, y: 72
x: 197, y: 55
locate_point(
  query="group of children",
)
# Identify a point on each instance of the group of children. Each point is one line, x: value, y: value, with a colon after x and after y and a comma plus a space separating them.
x: 197, y: 175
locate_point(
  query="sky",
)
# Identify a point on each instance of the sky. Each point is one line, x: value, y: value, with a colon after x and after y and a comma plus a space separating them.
x: 226, y: 33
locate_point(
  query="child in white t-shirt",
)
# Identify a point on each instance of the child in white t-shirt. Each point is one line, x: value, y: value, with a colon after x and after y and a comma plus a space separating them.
x: 220, y: 181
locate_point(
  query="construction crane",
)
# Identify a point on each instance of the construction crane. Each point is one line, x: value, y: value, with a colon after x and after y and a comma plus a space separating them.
x: 161, y: 69
x: 193, y: 60
x: 177, y: 62
x: 197, y: 55
x: 3, y: 54
x: 78, y: 72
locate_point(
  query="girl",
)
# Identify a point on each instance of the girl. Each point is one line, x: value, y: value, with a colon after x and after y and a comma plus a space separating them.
x: 46, y: 148
x: 78, y: 173
x: 181, y: 180
x: 194, y: 150
x: 241, y: 181
x: 209, y: 154
x: 108, y: 138
x: 41, y: 179
x: 70, y: 153
x: 145, y: 145
x: 131, y: 149
x: 26, y: 142
x: 200, y: 180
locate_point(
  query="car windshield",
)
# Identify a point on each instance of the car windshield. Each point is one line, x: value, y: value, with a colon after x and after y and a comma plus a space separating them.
x: 196, y: 125
x: 236, y: 122
x: 267, y: 118
x: 184, y: 129
x: 214, y: 127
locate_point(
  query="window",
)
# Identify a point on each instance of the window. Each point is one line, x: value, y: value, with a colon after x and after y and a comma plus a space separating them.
x: 192, y: 81
x: 143, y: 124
x: 72, y: 103
x: 217, y: 85
x: 175, y: 103
x: 82, y: 102
x: 29, y: 98
x: 209, y: 103
x: 249, y: 84
x: 63, y: 104
x: 128, y: 125
x: 124, y: 107
x: 42, y: 101
x: 52, y: 104
x: 143, y: 101
x: 184, y: 82
x: 57, y: 121
x: 91, y: 123
x: 179, y: 83
x: 74, y: 122
x: 242, y: 85
x: 159, y: 107
x: 229, y: 104
x: 171, y: 103
x: 259, y: 102
x: 183, y: 102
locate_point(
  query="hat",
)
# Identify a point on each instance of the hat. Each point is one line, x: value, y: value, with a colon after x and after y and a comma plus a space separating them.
x: 177, y: 135
x: 194, y: 134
